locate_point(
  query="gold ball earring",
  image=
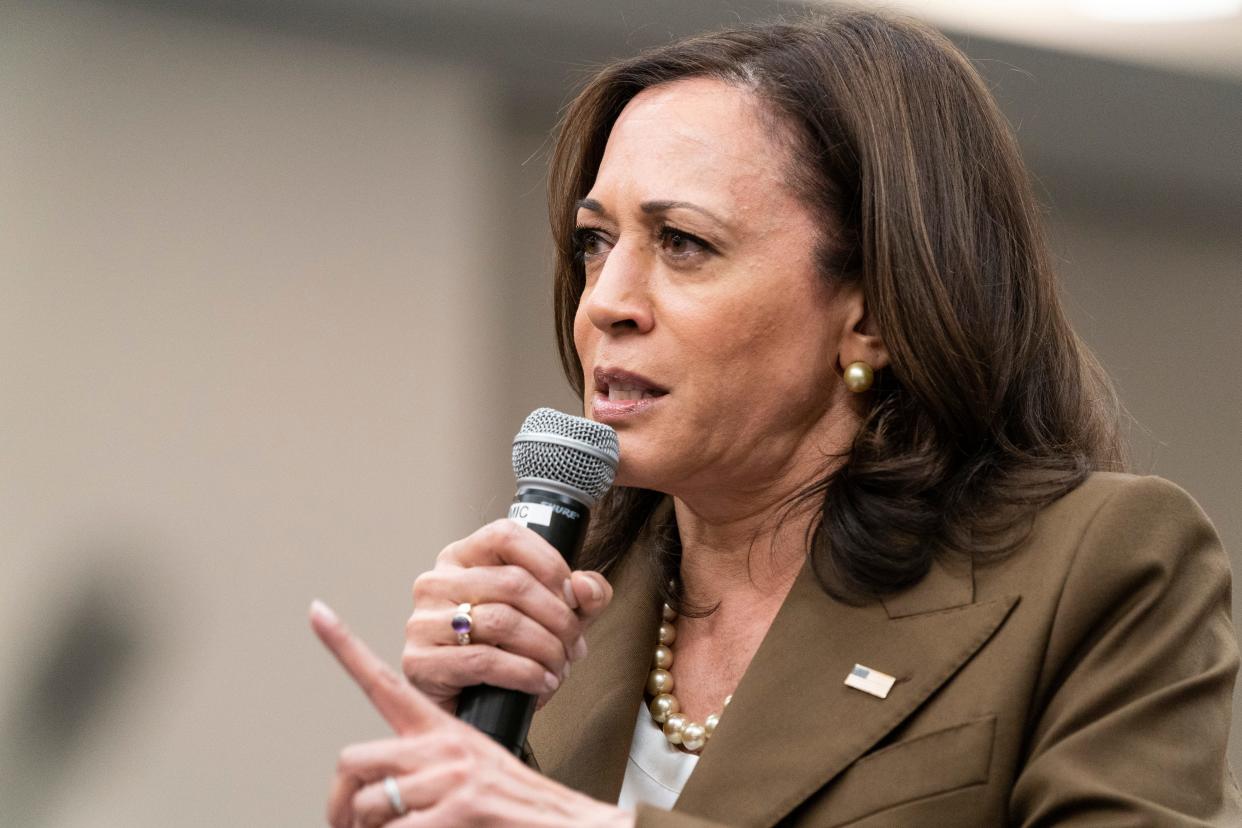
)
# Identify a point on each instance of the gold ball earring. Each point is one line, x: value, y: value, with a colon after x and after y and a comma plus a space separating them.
x: 858, y: 377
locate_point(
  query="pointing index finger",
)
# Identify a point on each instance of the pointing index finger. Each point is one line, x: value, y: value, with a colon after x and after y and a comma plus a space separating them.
x: 402, y: 706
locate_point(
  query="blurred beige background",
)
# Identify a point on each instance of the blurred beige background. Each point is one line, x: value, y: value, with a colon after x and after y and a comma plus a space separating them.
x: 274, y: 296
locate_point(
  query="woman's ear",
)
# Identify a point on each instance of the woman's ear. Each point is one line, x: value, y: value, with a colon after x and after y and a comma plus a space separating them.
x: 860, y: 339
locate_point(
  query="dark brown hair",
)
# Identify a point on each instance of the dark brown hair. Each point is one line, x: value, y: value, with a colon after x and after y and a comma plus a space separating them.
x: 992, y: 407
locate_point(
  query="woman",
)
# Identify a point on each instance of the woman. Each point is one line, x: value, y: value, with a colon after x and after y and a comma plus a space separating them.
x: 863, y: 490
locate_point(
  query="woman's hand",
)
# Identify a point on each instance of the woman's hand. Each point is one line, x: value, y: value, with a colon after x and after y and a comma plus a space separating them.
x: 446, y: 772
x: 529, y: 614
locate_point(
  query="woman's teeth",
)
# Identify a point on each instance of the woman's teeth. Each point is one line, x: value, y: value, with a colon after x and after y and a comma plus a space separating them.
x: 628, y: 392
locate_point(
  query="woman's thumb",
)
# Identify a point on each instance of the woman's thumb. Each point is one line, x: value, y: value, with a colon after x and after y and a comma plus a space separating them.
x: 592, y: 591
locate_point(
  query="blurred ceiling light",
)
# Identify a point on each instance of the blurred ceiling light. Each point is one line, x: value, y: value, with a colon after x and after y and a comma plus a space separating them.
x: 1159, y: 11
x: 1198, y: 36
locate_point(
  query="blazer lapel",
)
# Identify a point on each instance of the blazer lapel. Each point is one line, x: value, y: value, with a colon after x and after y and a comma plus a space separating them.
x: 582, y: 736
x: 793, y: 724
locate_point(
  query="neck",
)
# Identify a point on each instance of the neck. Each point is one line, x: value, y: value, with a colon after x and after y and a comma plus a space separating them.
x: 742, y: 558
x: 744, y: 534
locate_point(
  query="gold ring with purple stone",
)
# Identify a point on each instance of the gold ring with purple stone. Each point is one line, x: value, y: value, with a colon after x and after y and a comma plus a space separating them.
x: 463, y: 624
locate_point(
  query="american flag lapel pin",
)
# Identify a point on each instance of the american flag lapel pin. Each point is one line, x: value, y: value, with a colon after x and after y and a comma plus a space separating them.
x: 870, y: 681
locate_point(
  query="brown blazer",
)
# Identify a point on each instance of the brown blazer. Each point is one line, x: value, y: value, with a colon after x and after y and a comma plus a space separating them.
x: 1084, y: 679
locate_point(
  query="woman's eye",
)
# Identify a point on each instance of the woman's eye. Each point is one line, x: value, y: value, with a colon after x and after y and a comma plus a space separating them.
x: 588, y: 242
x: 680, y: 243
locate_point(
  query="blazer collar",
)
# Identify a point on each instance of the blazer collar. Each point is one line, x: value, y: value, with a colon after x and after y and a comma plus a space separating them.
x: 793, y: 724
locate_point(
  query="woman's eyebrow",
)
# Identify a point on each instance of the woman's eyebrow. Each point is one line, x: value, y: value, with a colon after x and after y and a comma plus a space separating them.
x: 664, y: 206
x: 649, y: 207
x: 590, y: 204
x: 653, y: 207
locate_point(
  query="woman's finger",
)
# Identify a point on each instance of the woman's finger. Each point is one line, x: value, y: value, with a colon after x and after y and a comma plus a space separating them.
x: 340, y: 799
x: 402, y: 706
x: 417, y: 792
x: 358, y: 766
x: 444, y: 671
x: 593, y: 592
x: 505, y: 542
x: 445, y: 588
x: 367, y: 763
x: 497, y: 624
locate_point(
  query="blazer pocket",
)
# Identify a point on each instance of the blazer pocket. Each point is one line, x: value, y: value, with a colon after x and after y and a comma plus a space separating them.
x: 918, y: 767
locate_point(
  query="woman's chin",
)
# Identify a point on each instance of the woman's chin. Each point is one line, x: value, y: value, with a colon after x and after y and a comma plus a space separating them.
x: 638, y: 475
x: 631, y: 471
x: 626, y: 478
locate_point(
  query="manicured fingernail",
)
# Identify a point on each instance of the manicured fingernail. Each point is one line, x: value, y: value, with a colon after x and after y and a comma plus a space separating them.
x: 565, y: 671
x: 570, y: 598
x: 579, y: 650
x: 550, y: 681
x: 597, y: 591
x: 321, y: 610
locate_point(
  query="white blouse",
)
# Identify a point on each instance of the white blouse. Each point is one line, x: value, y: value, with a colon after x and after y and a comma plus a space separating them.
x: 656, y: 771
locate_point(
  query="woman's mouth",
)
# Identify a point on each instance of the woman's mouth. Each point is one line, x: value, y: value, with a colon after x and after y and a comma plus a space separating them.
x: 622, y: 394
x: 629, y: 391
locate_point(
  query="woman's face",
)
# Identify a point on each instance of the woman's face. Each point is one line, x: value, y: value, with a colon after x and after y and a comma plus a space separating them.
x: 707, y: 337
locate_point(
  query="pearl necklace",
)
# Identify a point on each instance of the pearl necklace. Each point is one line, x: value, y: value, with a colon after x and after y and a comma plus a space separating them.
x: 665, y: 708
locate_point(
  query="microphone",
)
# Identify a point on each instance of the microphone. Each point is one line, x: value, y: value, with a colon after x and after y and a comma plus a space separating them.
x: 563, y: 465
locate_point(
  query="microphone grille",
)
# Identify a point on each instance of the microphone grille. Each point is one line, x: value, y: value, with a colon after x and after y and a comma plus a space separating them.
x: 573, y: 452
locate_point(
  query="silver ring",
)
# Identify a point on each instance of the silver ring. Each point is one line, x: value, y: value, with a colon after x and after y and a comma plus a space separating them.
x: 463, y: 623
x: 394, y: 796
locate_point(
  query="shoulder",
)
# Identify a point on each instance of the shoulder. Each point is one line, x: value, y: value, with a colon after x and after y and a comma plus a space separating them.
x: 1127, y: 494
x: 1126, y: 522
x: 1117, y: 543
x: 1125, y: 599
x: 1128, y: 562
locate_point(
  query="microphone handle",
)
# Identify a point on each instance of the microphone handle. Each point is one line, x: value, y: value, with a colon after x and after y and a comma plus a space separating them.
x: 501, y: 713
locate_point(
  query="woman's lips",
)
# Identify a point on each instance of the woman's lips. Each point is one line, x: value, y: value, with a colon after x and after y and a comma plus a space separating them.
x: 605, y: 410
x: 621, y: 394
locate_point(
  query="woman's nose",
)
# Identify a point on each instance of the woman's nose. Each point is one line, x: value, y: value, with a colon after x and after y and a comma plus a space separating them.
x: 618, y: 299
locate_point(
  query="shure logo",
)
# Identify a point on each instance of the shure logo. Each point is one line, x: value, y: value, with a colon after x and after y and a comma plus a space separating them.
x: 565, y: 511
